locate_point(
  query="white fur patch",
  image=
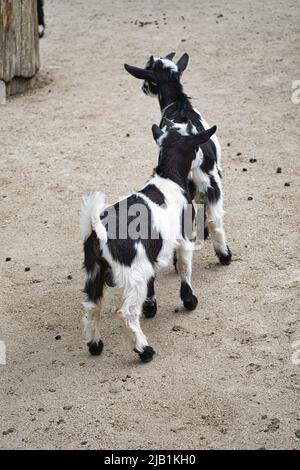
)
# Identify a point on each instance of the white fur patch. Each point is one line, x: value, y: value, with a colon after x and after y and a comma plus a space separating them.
x: 92, y: 206
x: 168, y: 64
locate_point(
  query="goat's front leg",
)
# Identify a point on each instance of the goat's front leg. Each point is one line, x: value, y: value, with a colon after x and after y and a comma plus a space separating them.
x: 131, y: 312
x: 184, y: 264
x: 150, y: 304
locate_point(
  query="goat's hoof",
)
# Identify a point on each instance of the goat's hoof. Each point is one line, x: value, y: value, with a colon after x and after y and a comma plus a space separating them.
x: 189, y: 300
x: 150, y: 308
x: 147, y: 354
x: 225, y: 260
x: 191, y: 303
x: 95, y: 348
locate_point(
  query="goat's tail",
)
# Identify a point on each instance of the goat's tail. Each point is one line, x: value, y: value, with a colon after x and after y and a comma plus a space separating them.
x: 93, y: 232
x: 91, y: 208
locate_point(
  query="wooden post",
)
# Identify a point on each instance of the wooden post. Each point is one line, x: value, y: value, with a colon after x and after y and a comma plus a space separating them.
x: 19, y: 44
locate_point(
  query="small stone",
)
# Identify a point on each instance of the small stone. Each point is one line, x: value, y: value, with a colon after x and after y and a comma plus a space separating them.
x: 264, y: 416
x: 177, y: 328
x: 57, y: 337
x: 220, y: 15
x: 8, y: 431
x: 245, y: 169
x: 287, y: 184
x: 41, y: 409
x: 127, y: 135
x: 52, y: 390
x: 250, y: 198
x: 239, y: 154
x: 27, y: 269
x: 278, y: 170
x: 69, y: 277
x: 228, y: 144
x: 275, y: 421
x: 176, y: 310
x: 60, y: 421
x: 297, y: 433
x: 8, y: 258
x: 183, y: 40
x: 83, y: 443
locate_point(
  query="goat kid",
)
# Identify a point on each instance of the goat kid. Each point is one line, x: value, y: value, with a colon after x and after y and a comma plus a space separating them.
x: 133, y: 260
x: 162, y: 79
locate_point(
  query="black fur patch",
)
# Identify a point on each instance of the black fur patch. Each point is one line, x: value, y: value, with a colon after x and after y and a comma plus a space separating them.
x: 213, y: 192
x: 94, y: 263
x: 154, y: 194
x: 95, y: 348
x: 150, y: 304
x: 190, y: 301
x: 175, y: 159
x: 175, y: 261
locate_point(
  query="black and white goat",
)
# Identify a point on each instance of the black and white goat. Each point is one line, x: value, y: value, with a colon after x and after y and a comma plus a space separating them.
x: 162, y: 79
x: 133, y: 260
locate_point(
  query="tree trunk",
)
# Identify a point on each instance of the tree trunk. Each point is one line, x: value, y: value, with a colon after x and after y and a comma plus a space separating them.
x: 19, y: 44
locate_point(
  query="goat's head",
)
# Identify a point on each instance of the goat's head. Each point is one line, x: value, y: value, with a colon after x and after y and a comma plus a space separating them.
x: 178, y: 145
x: 159, y: 71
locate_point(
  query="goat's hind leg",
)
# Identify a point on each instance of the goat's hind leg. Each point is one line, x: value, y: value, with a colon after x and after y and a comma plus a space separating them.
x: 131, y: 313
x: 91, y: 322
x: 94, y: 284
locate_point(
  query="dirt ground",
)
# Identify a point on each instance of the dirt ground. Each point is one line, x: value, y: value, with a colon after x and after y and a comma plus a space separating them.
x: 226, y: 378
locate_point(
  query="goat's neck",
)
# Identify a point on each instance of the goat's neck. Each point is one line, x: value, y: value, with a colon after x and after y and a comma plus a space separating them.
x: 176, y: 170
x: 171, y: 93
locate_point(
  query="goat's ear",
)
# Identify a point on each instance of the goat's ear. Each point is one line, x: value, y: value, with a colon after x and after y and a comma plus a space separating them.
x: 157, y: 132
x: 202, y: 137
x: 182, y: 63
x: 168, y: 123
x: 169, y: 56
x: 139, y: 73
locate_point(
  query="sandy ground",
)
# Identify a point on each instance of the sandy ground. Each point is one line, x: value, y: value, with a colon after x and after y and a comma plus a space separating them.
x: 225, y: 378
